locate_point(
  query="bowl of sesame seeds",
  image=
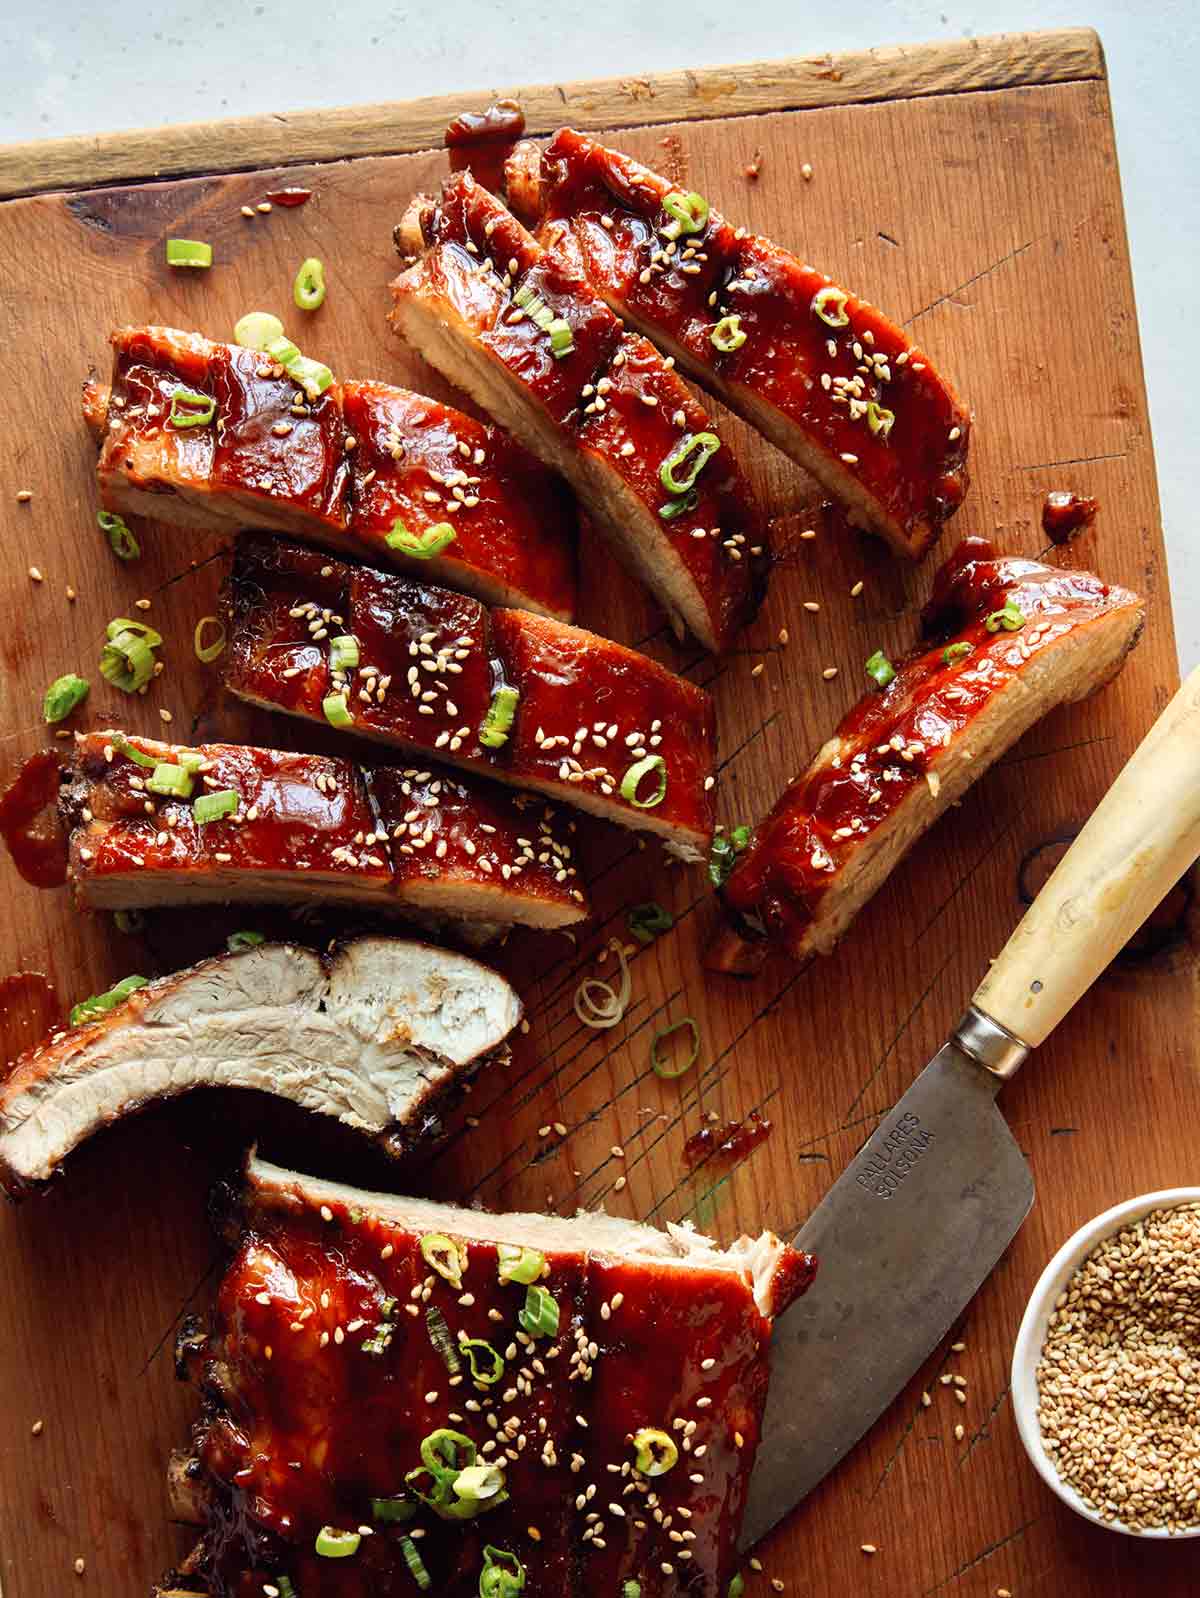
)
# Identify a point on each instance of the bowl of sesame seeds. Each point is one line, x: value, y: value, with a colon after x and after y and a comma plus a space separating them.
x: 1106, y: 1368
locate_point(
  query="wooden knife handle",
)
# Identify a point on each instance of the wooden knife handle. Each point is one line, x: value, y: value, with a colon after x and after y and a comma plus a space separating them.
x: 1138, y: 842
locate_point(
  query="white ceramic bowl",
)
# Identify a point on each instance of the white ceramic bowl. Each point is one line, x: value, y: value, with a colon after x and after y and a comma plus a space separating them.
x: 1032, y: 1336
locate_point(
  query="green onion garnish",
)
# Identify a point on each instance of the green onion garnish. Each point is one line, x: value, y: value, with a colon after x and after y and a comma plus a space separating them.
x: 416, y: 1564
x: 441, y: 1448
x: 127, y: 661
x: 881, y: 668
x: 248, y: 939
x: 958, y: 651
x: 393, y: 1510
x: 824, y: 298
x: 516, y: 1264
x: 631, y: 1589
x: 669, y: 1069
x: 503, y: 1574
x: 688, y: 213
x: 337, y: 711
x: 701, y: 447
x: 63, y: 694
x: 213, y: 806
x: 727, y: 336
x: 499, y: 719
x: 725, y: 849
x: 124, y: 747
x: 646, y: 921
x: 257, y: 329
x: 654, y: 1451
x: 208, y: 652
x: 737, y: 1586
x: 439, y: 1336
x: 308, y: 290
x: 879, y: 419
x: 286, y: 1590
x: 561, y: 341
x: 190, y: 408
x: 101, y: 1003
x: 331, y: 1544
x: 423, y: 545
x: 171, y: 781
x: 447, y: 1258
x: 188, y: 252
x: 380, y: 1340
x: 1010, y: 618
x: 487, y: 1367
x: 125, y: 624
x: 680, y: 506
x: 313, y: 377
x: 478, y: 1483
x: 122, y: 542
x: 130, y: 922
x: 633, y: 777
x: 539, y: 1313
x: 343, y: 652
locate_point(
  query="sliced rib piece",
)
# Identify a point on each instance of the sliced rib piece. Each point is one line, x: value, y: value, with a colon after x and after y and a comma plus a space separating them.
x: 904, y: 755
x: 587, y: 712
x: 339, y: 470
x: 846, y: 393
x: 311, y: 828
x: 607, y: 412
x: 661, y: 1330
x: 373, y: 1034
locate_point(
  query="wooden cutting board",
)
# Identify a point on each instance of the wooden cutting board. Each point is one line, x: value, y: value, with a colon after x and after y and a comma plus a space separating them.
x: 972, y: 189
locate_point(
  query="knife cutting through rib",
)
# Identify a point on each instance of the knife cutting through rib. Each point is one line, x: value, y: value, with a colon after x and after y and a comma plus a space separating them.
x: 914, y: 1225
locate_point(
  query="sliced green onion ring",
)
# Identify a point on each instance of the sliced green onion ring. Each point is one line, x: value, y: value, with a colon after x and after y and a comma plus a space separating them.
x: 121, y: 541
x: 62, y: 696
x: 124, y: 747
x: 503, y: 1574
x: 286, y: 1590
x: 647, y: 921
x: 487, y: 1366
x: 478, y: 1483
x: 247, y: 939
x: 445, y: 1256
x: 680, y: 506
x: 343, y: 652
x: 1011, y: 619
x: 333, y: 1544
x: 308, y: 290
x: 423, y: 545
x: 127, y: 662
x: 562, y: 341
x: 208, y: 652
x: 700, y: 447
x: 728, y: 336
x: 631, y: 1589
x: 393, y: 1511
x: 499, y: 719
x: 440, y: 1451
x: 189, y: 252
x: 879, y: 419
x: 688, y: 213
x: 829, y: 296
x: 517, y: 1264
x: 958, y: 651
x: 337, y: 710
x: 737, y: 1586
x: 439, y: 1336
x: 670, y: 1069
x: 130, y: 922
x: 539, y: 1313
x: 610, y: 1009
x: 126, y: 624
x: 214, y: 806
x: 313, y: 377
x: 726, y: 846
x: 256, y: 330
x: 101, y: 1003
x: 169, y: 780
x: 191, y: 408
x: 881, y: 668
x: 416, y: 1565
x: 632, y: 779
x: 655, y: 1452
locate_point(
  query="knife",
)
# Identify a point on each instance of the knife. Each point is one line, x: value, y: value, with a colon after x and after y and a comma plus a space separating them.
x: 913, y: 1226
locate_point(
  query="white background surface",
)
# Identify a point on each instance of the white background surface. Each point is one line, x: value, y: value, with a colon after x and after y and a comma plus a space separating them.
x: 72, y: 67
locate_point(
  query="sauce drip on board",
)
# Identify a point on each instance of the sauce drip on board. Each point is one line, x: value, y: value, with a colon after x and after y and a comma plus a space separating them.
x: 289, y: 198
x: 40, y: 856
x: 720, y: 1146
x: 1065, y: 514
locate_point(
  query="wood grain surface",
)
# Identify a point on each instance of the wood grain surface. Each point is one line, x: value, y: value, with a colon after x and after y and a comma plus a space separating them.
x: 990, y: 223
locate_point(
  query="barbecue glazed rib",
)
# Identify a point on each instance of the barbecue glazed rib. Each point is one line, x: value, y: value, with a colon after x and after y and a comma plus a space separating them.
x: 823, y: 375
x: 374, y: 1034
x: 591, y: 721
x: 600, y: 405
x: 905, y: 754
x: 363, y: 1301
x: 437, y: 848
x: 339, y: 470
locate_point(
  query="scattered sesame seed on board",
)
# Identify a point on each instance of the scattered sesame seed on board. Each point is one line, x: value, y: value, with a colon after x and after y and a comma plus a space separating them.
x: 806, y: 171
x: 165, y: 715
x: 783, y: 636
x: 38, y: 1427
x: 757, y: 671
x: 960, y: 1432
x: 35, y: 575
x: 829, y: 673
x: 856, y: 590
x: 264, y: 206
x: 869, y: 1549
x: 24, y: 495
x: 80, y: 1566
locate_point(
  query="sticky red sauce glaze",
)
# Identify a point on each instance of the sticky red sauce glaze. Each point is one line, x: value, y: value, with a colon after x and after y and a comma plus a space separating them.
x: 327, y: 826
x: 820, y: 378
x: 241, y: 451
x: 289, y: 198
x: 1065, y: 515
x: 315, y: 1426
x: 888, y: 742
x: 29, y: 1009
x: 481, y: 140
x: 426, y: 464
x: 717, y: 1147
x: 445, y: 655
x: 613, y: 395
x: 35, y: 845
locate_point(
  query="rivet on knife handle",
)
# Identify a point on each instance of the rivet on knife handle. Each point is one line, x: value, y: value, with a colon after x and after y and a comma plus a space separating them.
x: 1138, y: 842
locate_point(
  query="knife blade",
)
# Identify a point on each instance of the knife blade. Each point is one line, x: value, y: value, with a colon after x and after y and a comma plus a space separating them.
x: 911, y: 1229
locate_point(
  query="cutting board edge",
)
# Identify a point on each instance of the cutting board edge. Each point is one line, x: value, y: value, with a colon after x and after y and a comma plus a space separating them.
x: 894, y: 72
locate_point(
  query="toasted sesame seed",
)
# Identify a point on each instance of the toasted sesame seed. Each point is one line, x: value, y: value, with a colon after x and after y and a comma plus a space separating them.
x: 960, y: 1432
x: 757, y: 671
x: 35, y: 575
x: 264, y: 206
x: 38, y: 1427
x: 829, y: 673
x: 248, y: 210
x: 24, y: 495
x: 806, y: 171
x: 869, y: 1548
x: 856, y: 590
x: 80, y: 1567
